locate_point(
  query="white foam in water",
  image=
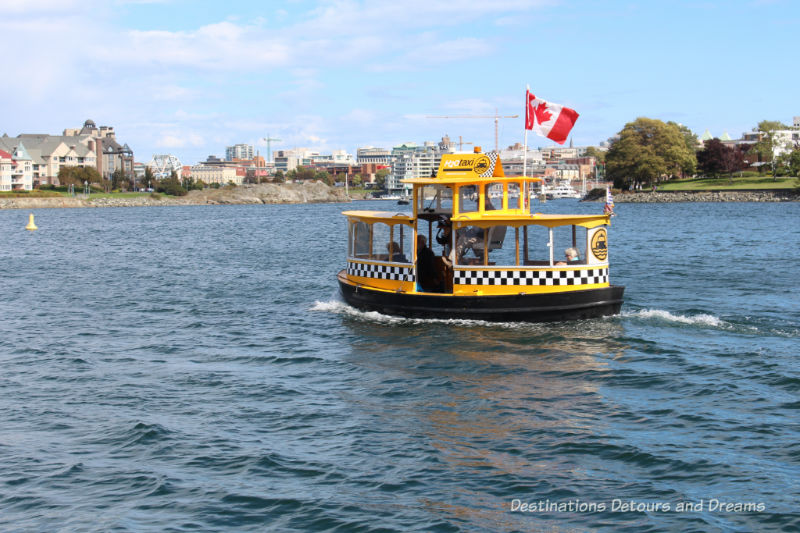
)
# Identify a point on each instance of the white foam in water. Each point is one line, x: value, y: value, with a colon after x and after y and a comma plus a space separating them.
x: 701, y: 319
x: 339, y: 307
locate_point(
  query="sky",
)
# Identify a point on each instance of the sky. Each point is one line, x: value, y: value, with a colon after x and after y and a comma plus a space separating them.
x: 190, y: 77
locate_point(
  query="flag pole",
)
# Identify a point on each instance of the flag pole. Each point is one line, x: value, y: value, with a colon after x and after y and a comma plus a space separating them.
x: 525, y: 143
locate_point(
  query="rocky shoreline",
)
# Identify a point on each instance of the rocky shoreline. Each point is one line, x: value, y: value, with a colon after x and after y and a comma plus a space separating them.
x: 777, y: 195
x: 267, y: 193
x: 318, y: 192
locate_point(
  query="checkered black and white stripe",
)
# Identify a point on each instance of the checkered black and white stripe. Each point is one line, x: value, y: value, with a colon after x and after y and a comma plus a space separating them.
x: 367, y: 270
x: 531, y: 277
x: 493, y: 159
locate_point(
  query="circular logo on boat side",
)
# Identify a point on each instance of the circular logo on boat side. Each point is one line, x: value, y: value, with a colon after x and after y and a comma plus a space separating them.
x: 481, y: 164
x: 600, y: 244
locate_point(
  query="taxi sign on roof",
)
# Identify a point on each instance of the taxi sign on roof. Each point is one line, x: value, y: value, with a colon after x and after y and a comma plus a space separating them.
x: 470, y: 166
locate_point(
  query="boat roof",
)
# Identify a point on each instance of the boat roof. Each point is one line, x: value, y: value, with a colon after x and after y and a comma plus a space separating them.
x: 489, y: 218
x: 383, y: 216
x: 550, y: 221
x: 468, y: 180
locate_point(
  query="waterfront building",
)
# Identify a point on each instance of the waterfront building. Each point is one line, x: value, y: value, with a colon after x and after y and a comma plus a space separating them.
x: 16, y: 169
x: 223, y: 175
x: 286, y: 160
x: 514, y: 161
x: 375, y: 156
x: 111, y: 155
x: 88, y: 146
x: 239, y: 151
x: 410, y: 160
x: 49, y: 153
x: 784, y: 141
x: 6, y: 169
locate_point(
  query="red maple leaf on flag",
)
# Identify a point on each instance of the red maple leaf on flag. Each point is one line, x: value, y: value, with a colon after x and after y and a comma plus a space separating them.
x: 541, y: 113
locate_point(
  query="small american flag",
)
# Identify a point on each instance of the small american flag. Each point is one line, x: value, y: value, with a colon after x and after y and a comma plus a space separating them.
x: 609, y: 198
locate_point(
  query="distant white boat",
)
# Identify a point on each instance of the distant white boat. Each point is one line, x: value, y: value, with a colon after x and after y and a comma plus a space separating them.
x: 561, y: 190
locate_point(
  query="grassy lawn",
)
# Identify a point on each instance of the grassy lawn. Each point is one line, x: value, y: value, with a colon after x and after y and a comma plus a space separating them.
x: 719, y: 184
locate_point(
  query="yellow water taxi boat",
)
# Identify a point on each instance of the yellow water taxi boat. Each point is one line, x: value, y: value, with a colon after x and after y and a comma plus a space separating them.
x: 472, y: 249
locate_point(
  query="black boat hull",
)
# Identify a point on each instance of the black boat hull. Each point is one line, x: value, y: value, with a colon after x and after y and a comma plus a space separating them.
x: 551, y: 307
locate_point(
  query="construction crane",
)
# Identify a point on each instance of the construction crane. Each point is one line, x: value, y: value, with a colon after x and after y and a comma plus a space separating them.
x: 496, y: 118
x: 269, y: 141
x: 461, y: 143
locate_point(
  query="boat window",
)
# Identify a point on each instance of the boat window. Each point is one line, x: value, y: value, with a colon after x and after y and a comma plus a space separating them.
x: 502, y: 246
x: 403, y: 238
x: 435, y: 199
x: 391, y: 243
x: 514, y: 196
x: 494, y: 197
x: 469, y: 245
x: 467, y: 199
x: 533, y: 245
x: 360, y: 240
x: 569, y: 237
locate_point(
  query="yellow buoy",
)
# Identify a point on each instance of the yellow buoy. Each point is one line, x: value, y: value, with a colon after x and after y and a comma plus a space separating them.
x: 31, y: 226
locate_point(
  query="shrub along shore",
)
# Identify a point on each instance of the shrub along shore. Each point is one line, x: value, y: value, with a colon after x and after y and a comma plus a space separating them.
x: 269, y: 193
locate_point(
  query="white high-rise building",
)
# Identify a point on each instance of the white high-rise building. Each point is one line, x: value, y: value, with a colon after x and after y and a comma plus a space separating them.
x: 239, y: 151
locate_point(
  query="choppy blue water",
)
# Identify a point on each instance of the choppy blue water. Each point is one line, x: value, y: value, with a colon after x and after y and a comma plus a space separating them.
x: 192, y: 368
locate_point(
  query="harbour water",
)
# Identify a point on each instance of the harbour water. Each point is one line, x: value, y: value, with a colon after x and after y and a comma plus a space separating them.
x: 192, y: 368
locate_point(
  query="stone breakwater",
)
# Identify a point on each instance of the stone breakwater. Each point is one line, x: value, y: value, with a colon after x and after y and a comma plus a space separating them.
x: 780, y: 195
x: 268, y: 193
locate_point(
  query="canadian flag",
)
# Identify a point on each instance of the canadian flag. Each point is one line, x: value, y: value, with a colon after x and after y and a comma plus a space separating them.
x: 547, y: 119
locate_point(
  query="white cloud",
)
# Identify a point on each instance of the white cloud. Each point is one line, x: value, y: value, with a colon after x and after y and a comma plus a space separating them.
x: 180, y: 140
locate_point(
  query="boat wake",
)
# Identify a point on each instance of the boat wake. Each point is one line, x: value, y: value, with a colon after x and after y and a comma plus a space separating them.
x: 701, y: 319
x: 342, y: 308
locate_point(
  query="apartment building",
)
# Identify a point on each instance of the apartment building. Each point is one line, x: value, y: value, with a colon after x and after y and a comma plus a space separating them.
x: 286, y: 160
x: 6, y: 169
x: 16, y: 169
x: 88, y: 146
x: 413, y: 161
x: 223, y: 175
x: 239, y: 151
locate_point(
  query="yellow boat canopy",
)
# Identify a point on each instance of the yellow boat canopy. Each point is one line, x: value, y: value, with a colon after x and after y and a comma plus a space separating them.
x: 380, y: 216
x: 549, y: 221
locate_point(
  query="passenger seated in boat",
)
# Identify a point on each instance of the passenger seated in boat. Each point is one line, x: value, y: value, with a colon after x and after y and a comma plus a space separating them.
x: 396, y: 255
x: 427, y: 275
x: 572, y: 256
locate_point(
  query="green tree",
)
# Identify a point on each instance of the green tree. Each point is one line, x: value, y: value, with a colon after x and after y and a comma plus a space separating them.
x: 119, y: 180
x: 716, y: 158
x: 794, y: 162
x: 763, y: 149
x: 77, y: 176
x: 647, y: 151
x: 356, y: 180
x: 380, y: 178
x: 599, y: 155
x: 324, y: 177
x: 149, y: 177
x: 279, y: 177
x: 305, y: 173
x: 689, y: 136
x: 172, y: 186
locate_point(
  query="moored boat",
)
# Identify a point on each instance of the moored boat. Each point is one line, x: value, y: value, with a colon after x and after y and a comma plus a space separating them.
x: 560, y: 190
x: 473, y: 249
